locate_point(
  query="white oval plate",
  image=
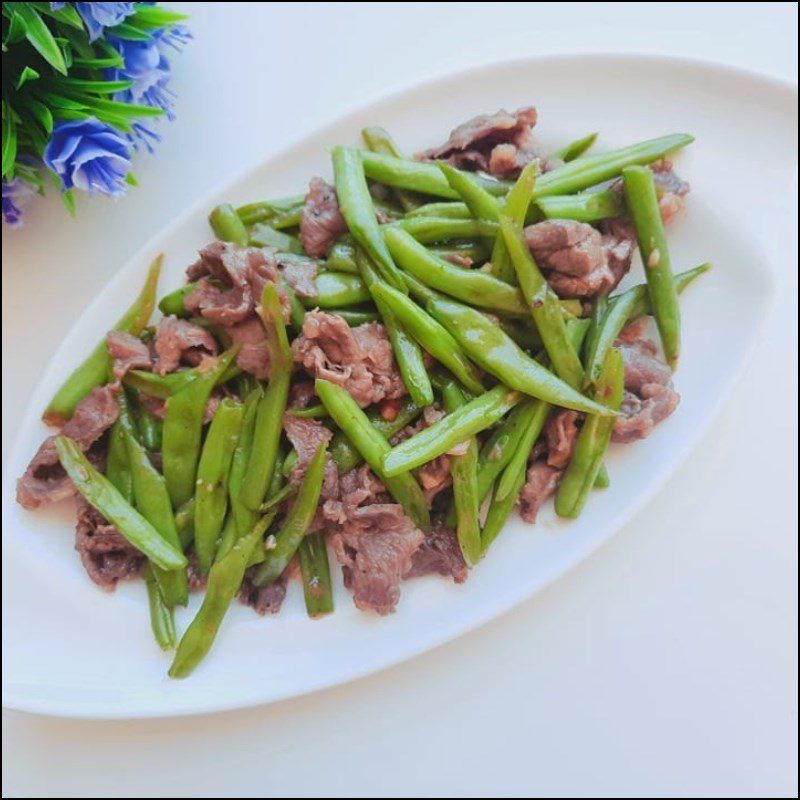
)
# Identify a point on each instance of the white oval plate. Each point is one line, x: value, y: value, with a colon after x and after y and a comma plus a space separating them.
x: 72, y: 650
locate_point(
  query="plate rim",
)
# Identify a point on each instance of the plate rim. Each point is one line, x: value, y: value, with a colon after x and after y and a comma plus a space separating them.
x: 20, y: 700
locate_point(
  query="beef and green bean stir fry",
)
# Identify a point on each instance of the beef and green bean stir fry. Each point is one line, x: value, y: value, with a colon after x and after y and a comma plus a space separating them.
x: 373, y: 374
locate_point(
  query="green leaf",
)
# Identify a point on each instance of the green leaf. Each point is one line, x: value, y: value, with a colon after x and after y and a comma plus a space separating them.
x: 125, y: 31
x: 130, y: 110
x: 9, y: 145
x: 99, y: 63
x: 27, y: 74
x: 38, y: 34
x: 42, y: 114
x: 68, y: 15
x: 97, y: 87
x: 68, y: 198
x: 154, y: 17
x: 17, y: 30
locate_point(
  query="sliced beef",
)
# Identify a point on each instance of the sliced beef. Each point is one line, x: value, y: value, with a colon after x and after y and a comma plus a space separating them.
x: 500, y: 143
x: 45, y: 480
x: 458, y: 260
x: 579, y: 260
x: 230, y: 280
x: 649, y: 396
x: 302, y: 394
x: 179, y: 341
x: 561, y: 432
x: 358, y: 359
x: 439, y: 554
x: 253, y: 356
x: 300, y: 273
x: 674, y: 189
x: 126, y: 352
x: 435, y: 477
x: 375, y: 550
x: 306, y: 435
x: 264, y: 599
x: 358, y: 487
x: 322, y: 222
x: 106, y: 555
x: 541, y: 483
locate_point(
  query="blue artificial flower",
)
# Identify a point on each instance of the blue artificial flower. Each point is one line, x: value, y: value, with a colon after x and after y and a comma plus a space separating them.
x: 97, y: 16
x: 16, y: 193
x: 89, y: 155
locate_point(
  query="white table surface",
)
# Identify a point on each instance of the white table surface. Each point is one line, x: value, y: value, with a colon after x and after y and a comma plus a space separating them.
x: 666, y: 664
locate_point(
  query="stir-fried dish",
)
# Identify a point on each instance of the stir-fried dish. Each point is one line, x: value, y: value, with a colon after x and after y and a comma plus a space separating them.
x: 377, y: 372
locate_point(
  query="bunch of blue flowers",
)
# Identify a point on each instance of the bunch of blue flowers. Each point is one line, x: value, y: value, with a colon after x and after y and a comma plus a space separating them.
x: 82, y: 85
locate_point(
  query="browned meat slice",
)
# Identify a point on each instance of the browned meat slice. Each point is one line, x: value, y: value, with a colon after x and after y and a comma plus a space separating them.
x: 265, y: 599
x: 498, y: 143
x: 649, y: 396
x: 674, y: 189
x: 253, y: 356
x: 561, y: 431
x: 541, y: 483
x: 579, y: 260
x: 230, y: 280
x: 126, y: 352
x: 106, y: 555
x: 458, y: 260
x: 357, y: 487
x: 439, y: 554
x: 306, y: 435
x: 435, y: 477
x: 358, y: 359
x: 178, y: 340
x: 375, y: 550
x: 322, y: 222
x: 300, y: 274
x: 302, y: 394
x: 44, y: 480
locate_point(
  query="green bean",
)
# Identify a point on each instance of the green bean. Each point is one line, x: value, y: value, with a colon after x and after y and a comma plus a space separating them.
x: 118, y: 467
x: 297, y: 521
x: 162, y: 621
x: 264, y: 210
x: 544, y: 307
x: 373, y: 447
x: 515, y: 208
x: 184, y: 523
x: 153, y: 503
x: 172, y: 303
x: 149, y: 427
x: 94, y: 370
x: 355, y: 317
x: 513, y: 477
x: 290, y: 218
x: 379, y: 141
x: 590, y: 170
x: 277, y: 497
x: 642, y: 305
x: 419, y: 176
x: 269, y: 415
x: 640, y: 193
x: 183, y: 428
x: 431, y: 336
x: 452, y: 209
x: 342, y: 256
x: 227, y: 226
x: 473, y: 286
x: 359, y: 213
x: 406, y: 351
x: 603, y: 480
x: 491, y: 348
x: 593, y: 440
x: 211, y: 487
x: 480, y: 203
x: 224, y: 580
x: 583, y: 207
x: 468, y: 420
x: 428, y: 230
x: 344, y: 453
x: 264, y: 235
x: 575, y: 149
x: 316, y: 573
x: 464, y: 470
x: 165, y: 386
x: 100, y: 493
x: 317, y: 411
x: 335, y: 289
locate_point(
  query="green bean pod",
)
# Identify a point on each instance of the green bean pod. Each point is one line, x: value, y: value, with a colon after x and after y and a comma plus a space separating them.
x: 342, y: 256
x: 583, y: 207
x: 593, y: 440
x: 211, y: 489
x: 94, y: 370
x: 316, y: 574
x: 356, y: 316
x: 165, y: 386
x: 452, y: 209
x: 227, y: 225
x: 297, y: 521
x: 575, y: 149
x: 100, y: 493
x: 290, y: 218
x: 162, y: 621
x: 264, y: 235
x: 172, y: 304
x: 243, y: 517
x: 481, y: 204
x: 471, y: 418
x: 373, y: 447
x: 250, y: 213
x: 379, y: 141
x: 336, y: 289
x: 429, y: 230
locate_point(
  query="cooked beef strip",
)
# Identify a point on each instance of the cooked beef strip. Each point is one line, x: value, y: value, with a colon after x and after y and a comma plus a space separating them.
x: 541, y: 483
x: 306, y: 435
x: 265, y: 599
x: 439, y: 554
x: 127, y: 352
x: 561, y: 431
x: 178, y: 340
x: 322, y: 222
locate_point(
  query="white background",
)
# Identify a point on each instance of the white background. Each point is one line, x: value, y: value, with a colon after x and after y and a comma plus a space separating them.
x: 665, y: 664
